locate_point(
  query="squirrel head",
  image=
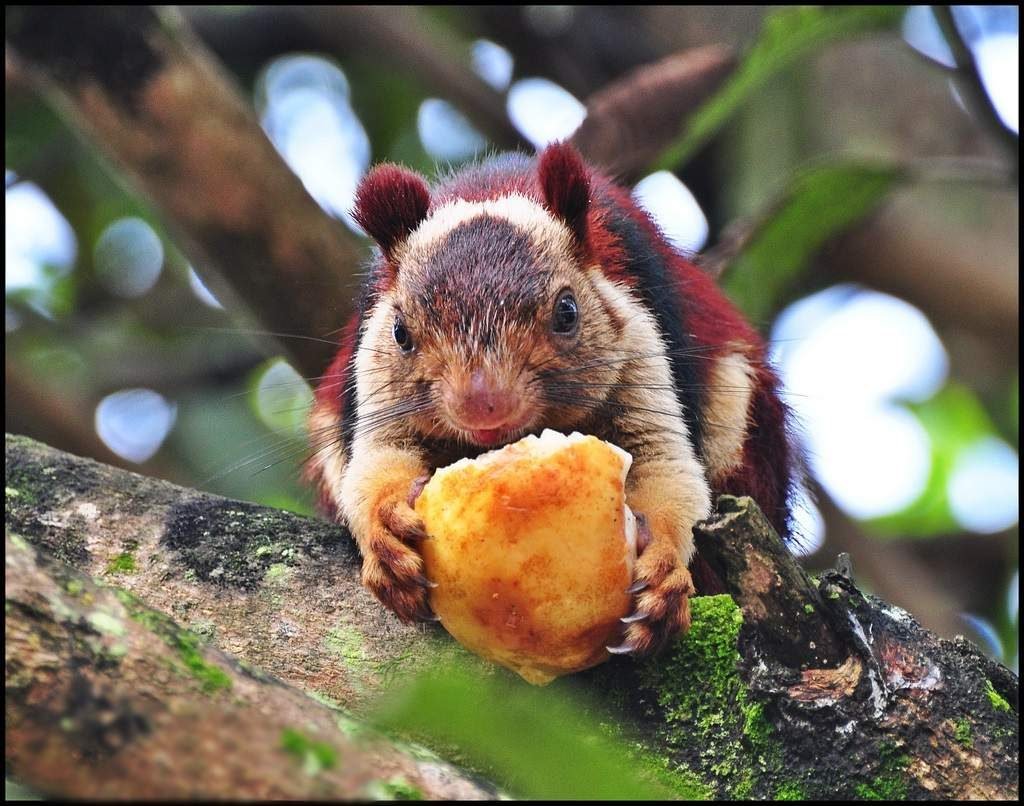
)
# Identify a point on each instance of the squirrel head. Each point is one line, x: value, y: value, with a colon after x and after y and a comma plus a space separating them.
x: 487, y: 304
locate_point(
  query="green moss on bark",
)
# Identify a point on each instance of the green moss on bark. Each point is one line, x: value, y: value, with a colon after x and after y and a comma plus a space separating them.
x: 393, y: 789
x: 964, y: 733
x: 714, y: 722
x: 313, y: 755
x: 187, y: 644
x: 891, y: 781
x: 123, y: 563
x: 999, y: 703
x: 790, y: 791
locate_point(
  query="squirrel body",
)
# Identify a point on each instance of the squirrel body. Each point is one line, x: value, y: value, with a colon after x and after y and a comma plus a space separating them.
x: 528, y: 293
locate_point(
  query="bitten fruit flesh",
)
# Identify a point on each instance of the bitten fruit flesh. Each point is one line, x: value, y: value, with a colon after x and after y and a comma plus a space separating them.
x: 532, y: 549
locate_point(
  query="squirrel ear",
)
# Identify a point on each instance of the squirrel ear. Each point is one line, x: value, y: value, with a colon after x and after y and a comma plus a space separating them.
x: 391, y: 202
x: 566, y: 184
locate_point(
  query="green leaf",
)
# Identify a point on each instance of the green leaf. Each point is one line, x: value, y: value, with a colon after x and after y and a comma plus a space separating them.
x: 787, y: 34
x: 536, y: 742
x: 955, y: 420
x: 31, y: 132
x: 820, y: 203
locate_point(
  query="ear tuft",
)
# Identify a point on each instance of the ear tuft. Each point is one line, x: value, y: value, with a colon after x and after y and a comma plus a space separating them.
x: 566, y: 184
x: 391, y: 202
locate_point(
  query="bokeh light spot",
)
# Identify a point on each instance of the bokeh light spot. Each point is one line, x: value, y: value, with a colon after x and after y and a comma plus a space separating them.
x: 674, y: 209
x: 922, y: 32
x: 543, y: 111
x: 871, y: 346
x: 40, y: 245
x: 445, y: 132
x: 985, y: 633
x: 983, y: 488
x: 999, y: 66
x: 133, y: 423
x: 991, y: 32
x: 873, y: 460
x: 128, y: 257
x: 492, y: 63
x: 305, y: 110
x: 808, y: 524
x: 283, y: 398
x: 195, y: 282
x: 844, y: 355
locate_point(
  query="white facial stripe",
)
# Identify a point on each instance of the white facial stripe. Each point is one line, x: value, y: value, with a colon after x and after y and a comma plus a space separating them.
x: 525, y: 214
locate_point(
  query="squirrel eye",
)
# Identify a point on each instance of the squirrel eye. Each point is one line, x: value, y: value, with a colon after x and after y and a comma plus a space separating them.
x: 566, y: 316
x: 402, y: 336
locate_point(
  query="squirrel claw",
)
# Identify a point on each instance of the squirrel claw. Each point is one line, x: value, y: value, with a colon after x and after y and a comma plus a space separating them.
x: 662, y: 587
x: 427, y: 615
x: 422, y: 581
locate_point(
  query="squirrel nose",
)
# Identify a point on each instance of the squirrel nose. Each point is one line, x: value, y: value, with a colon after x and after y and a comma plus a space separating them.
x: 485, y: 403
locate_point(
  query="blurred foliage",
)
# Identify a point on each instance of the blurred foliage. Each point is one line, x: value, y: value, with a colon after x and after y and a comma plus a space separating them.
x: 538, y: 742
x: 821, y: 203
x: 954, y: 420
x: 787, y: 34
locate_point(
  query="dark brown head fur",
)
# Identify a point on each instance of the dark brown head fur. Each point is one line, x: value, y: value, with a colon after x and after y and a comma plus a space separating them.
x: 483, y: 293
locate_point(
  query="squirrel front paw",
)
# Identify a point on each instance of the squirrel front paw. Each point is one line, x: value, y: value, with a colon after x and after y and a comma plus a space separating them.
x: 662, y: 587
x: 392, y: 567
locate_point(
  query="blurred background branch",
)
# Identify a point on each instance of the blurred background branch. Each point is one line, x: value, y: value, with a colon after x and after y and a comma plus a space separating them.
x: 179, y: 130
x: 974, y: 84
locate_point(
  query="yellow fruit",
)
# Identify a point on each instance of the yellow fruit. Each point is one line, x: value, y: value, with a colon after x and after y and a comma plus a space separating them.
x: 532, y: 549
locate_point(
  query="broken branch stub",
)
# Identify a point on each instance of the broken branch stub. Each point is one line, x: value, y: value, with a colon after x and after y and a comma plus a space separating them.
x: 782, y: 610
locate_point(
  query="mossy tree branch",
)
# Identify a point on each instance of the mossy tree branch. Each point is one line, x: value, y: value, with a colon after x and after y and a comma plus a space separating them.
x: 744, y: 704
x: 141, y: 705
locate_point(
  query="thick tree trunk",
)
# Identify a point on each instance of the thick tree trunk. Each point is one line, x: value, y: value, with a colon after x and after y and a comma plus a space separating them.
x: 785, y: 688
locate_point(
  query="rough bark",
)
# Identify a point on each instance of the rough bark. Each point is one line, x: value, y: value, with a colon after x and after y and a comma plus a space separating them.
x: 787, y: 688
x: 141, y: 86
x: 144, y: 710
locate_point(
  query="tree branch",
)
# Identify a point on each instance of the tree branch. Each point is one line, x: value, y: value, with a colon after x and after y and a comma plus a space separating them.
x: 630, y: 121
x: 142, y: 705
x: 821, y: 686
x: 978, y: 96
x: 156, y: 103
